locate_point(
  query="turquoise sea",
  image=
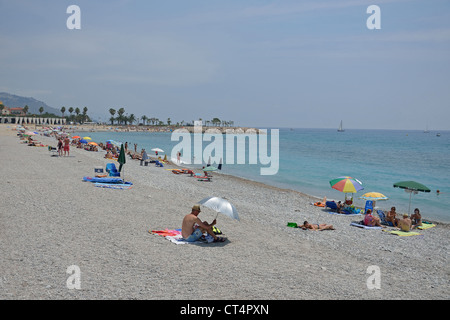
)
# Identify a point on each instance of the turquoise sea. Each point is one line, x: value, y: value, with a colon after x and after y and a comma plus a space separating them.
x: 310, y: 158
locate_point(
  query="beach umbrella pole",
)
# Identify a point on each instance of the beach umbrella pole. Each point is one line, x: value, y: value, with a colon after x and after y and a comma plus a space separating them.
x: 409, y: 206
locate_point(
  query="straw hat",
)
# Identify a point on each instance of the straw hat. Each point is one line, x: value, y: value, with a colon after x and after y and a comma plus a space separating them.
x: 196, y: 207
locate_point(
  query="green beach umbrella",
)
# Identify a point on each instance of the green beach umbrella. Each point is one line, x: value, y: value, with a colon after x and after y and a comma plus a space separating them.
x: 122, y: 159
x: 411, y: 187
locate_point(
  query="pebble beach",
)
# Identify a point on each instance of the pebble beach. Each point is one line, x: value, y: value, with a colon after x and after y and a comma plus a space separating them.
x: 50, y: 220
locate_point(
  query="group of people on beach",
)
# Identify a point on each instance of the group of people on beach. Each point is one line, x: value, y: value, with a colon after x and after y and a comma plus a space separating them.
x: 63, y: 146
x: 406, y: 223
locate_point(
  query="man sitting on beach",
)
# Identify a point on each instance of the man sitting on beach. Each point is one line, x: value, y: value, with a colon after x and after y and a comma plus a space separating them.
x: 320, y: 227
x: 391, y: 217
x: 192, y: 228
x: 405, y: 223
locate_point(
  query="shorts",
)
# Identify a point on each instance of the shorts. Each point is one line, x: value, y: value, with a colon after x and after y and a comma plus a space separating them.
x: 66, y: 148
x: 194, y: 236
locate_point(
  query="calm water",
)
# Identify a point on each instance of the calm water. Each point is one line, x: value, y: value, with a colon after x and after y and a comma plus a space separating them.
x: 310, y: 158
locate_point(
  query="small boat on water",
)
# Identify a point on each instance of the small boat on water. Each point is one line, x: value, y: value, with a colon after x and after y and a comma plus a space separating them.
x: 438, y: 134
x: 340, y: 128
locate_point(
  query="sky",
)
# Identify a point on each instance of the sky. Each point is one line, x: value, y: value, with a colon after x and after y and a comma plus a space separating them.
x: 259, y: 63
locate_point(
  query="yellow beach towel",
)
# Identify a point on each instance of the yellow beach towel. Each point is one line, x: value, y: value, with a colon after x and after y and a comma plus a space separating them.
x: 425, y: 226
x: 403, y: 233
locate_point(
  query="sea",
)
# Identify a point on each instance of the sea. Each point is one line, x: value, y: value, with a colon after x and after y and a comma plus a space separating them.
x: 307, y: 159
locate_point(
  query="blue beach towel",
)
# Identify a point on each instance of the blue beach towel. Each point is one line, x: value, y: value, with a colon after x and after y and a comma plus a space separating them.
x: 123, y: 186
x: 361, y: 225
x: 103, y: 180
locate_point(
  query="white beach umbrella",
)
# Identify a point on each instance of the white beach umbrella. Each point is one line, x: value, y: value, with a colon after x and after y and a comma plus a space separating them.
x: 157, y: 150
x: 220, y: 205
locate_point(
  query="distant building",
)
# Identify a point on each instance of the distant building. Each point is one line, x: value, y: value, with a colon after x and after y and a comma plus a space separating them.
x: 17, y: 111
x: 11, y: 111
x: 3, y: 110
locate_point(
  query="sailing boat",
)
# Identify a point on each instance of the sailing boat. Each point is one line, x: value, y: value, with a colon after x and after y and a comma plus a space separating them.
x: 340, y: 128
x: 426, y: 130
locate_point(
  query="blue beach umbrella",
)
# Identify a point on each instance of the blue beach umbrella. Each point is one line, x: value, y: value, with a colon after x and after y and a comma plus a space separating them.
x: 83, y: 141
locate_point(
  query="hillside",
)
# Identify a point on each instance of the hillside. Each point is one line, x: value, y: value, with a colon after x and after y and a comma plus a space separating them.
x: 14, y: 101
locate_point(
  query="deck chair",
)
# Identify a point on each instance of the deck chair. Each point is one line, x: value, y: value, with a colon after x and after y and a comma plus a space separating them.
x: 331, y: 204
x: 112, y: 170
x: 382, y: 217
x: 53, y: 151
x: 369, y: 205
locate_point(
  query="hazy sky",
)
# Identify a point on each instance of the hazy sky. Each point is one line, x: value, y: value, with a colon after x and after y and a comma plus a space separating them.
x: 286, y: 63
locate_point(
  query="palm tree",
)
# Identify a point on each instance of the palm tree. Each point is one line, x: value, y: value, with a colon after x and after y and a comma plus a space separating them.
x: 41, y: 109
x: 112, y: 112
x: 144, y: 119
x: 25, y: 109
x: 169, y: 121
x: 63, y: 109
x: 120, y: 113
x: 132, y: 118
x: 77, y: 111
x: 85, y: 110
x: 215, y: 121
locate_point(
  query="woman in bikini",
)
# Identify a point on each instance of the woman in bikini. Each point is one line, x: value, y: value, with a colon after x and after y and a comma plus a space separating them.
x: 320, y: 227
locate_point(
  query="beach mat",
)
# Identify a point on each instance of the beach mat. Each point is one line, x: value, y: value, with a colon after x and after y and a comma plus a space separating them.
x: 425, y: 226
x: 122, y: 186
x: 402, y: 233
x: 344, y: 214
x: 362, y: 226
x: 174, y: 236
x: 103, y: 180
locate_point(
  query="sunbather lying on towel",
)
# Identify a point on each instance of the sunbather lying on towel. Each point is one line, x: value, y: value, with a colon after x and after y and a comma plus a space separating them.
x: 192, y: 228
x: 320, y: 227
